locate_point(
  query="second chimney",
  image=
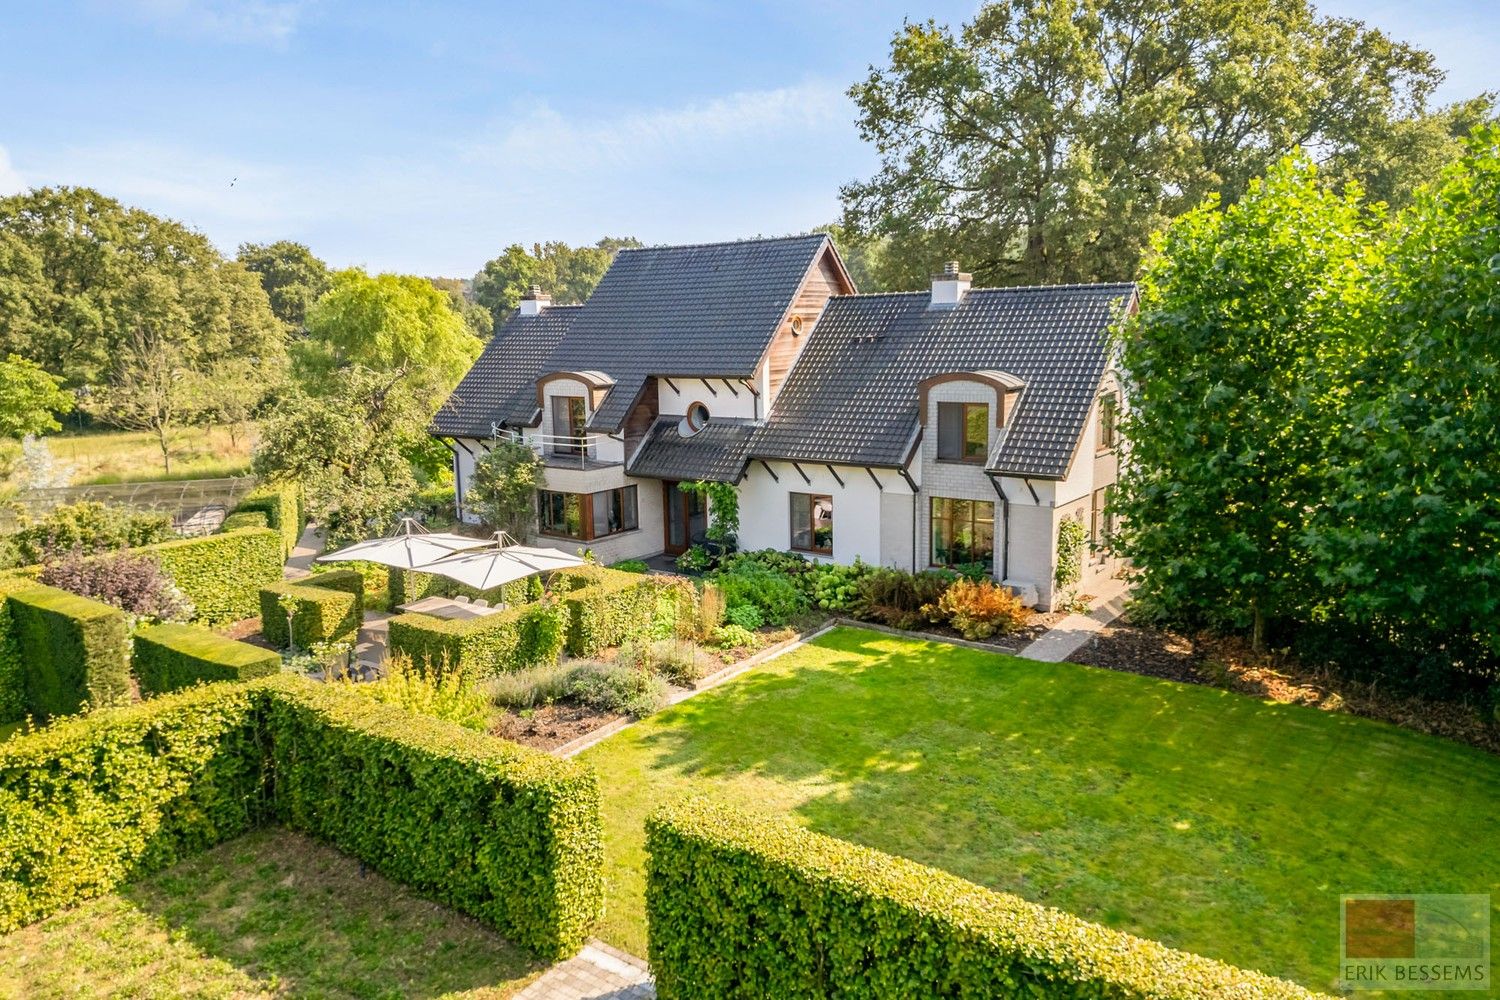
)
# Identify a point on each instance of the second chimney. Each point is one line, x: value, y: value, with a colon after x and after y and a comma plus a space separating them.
x: 535, y: 301
x: 949, y: 287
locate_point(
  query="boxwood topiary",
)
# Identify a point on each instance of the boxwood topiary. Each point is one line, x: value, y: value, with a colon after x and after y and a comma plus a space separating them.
x: 328, y: 606
x: 169, y: 656
x: 747, y: 906
x: 74, y: 651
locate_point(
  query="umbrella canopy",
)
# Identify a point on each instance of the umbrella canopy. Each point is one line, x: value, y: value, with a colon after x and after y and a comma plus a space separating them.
x: 408, y: 548
x: 499, y: 563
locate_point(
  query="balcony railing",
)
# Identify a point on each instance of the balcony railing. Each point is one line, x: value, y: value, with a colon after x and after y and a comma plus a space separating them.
x: 558, y: 449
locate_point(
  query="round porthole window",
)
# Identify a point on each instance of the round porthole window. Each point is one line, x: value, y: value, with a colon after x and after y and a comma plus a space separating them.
x: 697, y: 416
x: 796, y: 326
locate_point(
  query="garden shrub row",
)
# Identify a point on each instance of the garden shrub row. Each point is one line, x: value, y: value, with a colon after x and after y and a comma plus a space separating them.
x: 605, y: 607
x: 514, y: 639
x: 246, y: 519
x: 171, y: 656
x: 406, y: 585
x: 73, y: 651
x: 281, y: 503
x: 744, y: 906
x: 328, y: 606
x: 12, y: 678
x: 222, y: 574
x: 507, y: 834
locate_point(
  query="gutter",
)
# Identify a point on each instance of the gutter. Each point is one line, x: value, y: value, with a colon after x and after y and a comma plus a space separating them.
x: 1004, y: 527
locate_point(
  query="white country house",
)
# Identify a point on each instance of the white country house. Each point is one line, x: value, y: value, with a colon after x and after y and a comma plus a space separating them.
x: 911, y: 429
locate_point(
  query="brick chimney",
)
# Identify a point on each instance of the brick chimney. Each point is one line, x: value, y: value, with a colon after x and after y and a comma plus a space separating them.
x: 949, y: 287
x: 534, y: 301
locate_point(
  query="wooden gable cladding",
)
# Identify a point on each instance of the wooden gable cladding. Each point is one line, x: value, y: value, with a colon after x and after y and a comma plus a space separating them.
x: 824, y: 279
x: 642, y: 415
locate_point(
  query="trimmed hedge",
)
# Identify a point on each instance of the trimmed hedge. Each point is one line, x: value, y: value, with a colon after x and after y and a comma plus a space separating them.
x: 329, y: 606
x: 282, y: 505
x: 168, y: 657
x: 507, y: 834
x: 513, y: 639
x: 73, y: 650
x: 605, y: 607
x: 246, y: 519
x: 744, y: 906
x: 89, y: 803
x: 406, y: 585
x: 222, y: 574
x: 12, y: 676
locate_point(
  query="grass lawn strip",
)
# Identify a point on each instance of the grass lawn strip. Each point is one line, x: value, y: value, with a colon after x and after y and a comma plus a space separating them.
x: 1207, y: 820
x: 272, y: 914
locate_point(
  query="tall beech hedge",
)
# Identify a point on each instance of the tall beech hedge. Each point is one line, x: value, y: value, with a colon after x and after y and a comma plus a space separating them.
x: 509, y: 835
x: 281, y: 503
x: 222, y: 574
x: 514, y: 639
x: 73, y: 650
x: 605, y: 607
x: 12, y: 676
x: 746, y: 906
x: 505, y: 833
x: 329, y: 606
x: 169, y: 656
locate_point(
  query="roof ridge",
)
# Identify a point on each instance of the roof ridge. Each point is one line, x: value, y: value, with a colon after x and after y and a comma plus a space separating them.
x: 727, y: 243
x: 998, y: 288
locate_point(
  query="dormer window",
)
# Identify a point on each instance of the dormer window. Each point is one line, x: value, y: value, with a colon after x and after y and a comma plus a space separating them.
x: 569, y: 415
x: 963, y: 432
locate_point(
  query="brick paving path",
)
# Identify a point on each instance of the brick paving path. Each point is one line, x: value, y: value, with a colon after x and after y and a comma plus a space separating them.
x: 598, y: 972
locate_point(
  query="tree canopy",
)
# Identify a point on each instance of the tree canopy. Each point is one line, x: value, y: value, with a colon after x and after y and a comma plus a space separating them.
x: 568, y: 274
x: 80, y: 274
x: 291, y: 275
x: 1045, y: 142
x: 29, y: 397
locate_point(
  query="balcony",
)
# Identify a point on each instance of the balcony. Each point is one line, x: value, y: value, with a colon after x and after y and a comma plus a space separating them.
x: 559, y: 451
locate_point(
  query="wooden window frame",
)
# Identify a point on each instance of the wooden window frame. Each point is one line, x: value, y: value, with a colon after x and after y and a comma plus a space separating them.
x: 984, y: 446
x: 1109, y: 422
x: 974, y: 522
x: 812, y: 522
x: 586, y: 514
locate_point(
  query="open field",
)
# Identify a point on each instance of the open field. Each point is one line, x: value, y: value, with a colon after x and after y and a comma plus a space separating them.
x: 1205, y: 819
x: 272, y: 914
x: 133, y: 456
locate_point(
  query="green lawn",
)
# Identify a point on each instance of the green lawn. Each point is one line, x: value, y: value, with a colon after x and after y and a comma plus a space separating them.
x: 1205, y: 819
x: 272, y: 914
x: 106, y: 456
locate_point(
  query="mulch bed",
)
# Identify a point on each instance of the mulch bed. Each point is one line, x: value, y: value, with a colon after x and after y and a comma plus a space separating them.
x: 549, y: 726
x: 245, y: 630
x: 1228, y: 662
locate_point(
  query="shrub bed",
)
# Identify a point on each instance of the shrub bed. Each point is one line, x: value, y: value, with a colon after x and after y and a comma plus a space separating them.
x: 73, y: 650
x: 328, y: 606
x: 743, y: 906
x: 245, y: 519
x: 222, y: 574
x: 510, y: 640
x: 281, y: 503
x: 508, y: 835
x: 169, y: 656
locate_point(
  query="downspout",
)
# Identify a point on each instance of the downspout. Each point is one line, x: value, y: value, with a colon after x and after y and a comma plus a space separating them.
x: 1004, y: 528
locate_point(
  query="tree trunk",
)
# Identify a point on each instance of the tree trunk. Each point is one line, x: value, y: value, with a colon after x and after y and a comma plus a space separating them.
x: 166, y: 455
x: 1258, y: 630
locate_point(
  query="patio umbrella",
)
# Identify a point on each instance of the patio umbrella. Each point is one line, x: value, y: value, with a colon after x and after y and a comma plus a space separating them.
x: 502, y: 561
x: 408, y: 548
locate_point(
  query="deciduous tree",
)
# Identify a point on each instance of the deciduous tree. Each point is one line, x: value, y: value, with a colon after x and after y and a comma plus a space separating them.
x: 1045, y: 141
x: 291, y: 275
x: 29, y: 397
x: 503, y: 490
x: 566, y: 273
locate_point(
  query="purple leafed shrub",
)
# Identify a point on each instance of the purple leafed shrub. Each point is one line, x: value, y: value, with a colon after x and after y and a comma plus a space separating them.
x: 134, y: 583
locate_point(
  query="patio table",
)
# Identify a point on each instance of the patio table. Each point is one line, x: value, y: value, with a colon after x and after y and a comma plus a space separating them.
x: 446, y: 607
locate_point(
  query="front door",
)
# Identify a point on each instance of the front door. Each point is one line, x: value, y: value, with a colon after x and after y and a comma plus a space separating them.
x: 685, y: 517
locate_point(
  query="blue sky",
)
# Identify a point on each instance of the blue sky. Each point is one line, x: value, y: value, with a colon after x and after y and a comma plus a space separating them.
x: 425, y: 137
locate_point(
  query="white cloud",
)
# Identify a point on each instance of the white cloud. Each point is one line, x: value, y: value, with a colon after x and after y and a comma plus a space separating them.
x: 544, y: 139
x: 253, y: 21
x: 11, y: 180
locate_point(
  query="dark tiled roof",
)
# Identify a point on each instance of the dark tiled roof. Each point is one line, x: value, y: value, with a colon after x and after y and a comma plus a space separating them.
x: 706, y: 309
x: 717, y: 452
x: 852, y: 396
x: 505, y: 374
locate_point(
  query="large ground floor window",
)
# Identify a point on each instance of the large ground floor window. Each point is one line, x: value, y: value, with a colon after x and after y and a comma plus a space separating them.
x: 587, y: 516
x: 963, y: 531
x: 812, y: 523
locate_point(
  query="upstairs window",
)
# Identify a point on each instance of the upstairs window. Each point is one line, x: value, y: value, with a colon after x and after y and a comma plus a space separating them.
x: 1109, y: 419
x: 812, y: 523
x: 569, y: 414
x: 963, y: 432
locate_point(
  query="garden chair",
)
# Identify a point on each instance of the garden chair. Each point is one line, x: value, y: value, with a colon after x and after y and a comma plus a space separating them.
x: 480, y: 602
x: 461, y: 599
